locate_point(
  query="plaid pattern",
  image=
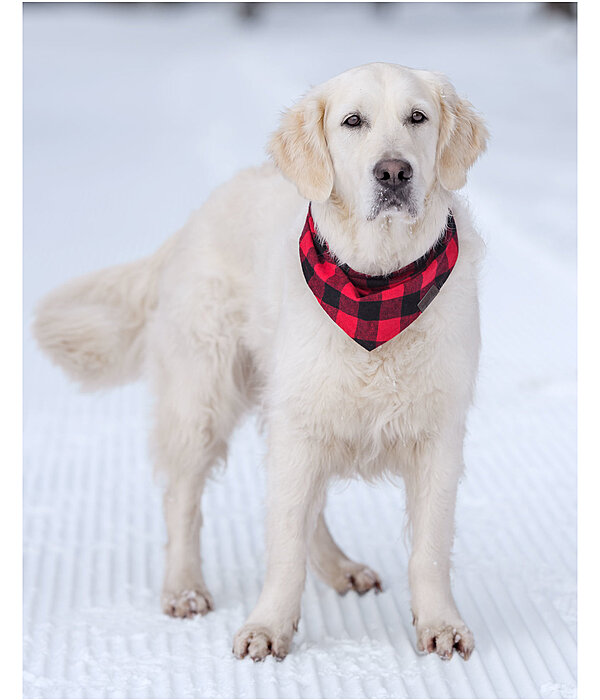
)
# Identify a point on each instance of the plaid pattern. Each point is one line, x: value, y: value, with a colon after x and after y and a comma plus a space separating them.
x: 372, y: 310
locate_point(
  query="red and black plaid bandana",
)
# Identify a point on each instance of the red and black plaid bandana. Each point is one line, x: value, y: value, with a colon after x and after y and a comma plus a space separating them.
x: 372, y: 310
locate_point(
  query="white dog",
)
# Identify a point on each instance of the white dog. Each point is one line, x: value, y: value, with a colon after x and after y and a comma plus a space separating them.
x: 222, y: 318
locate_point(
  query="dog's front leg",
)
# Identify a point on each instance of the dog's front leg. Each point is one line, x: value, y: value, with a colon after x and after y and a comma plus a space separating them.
x: 295, y: 496
x: 431, y: 486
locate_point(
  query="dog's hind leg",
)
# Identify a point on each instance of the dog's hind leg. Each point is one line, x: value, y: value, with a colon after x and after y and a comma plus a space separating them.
x: 184, y: 591
x: 331, y: 564
x: 200, y: 395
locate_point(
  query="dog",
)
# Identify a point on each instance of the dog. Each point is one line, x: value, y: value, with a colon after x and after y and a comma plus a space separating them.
x: 227, y: 316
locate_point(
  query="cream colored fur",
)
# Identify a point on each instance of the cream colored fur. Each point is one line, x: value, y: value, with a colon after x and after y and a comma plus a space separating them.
x: 220, y: 319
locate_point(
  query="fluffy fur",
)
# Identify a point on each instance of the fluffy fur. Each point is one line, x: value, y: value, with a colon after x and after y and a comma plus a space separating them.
x: 220, y: 319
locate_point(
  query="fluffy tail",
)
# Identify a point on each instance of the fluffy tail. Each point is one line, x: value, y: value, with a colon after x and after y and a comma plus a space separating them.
x: 93, y: 327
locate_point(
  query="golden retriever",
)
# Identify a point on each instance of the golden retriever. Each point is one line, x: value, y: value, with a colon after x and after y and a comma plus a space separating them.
x: 221, y: 319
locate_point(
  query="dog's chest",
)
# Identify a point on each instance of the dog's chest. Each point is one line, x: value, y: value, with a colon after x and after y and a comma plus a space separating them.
x: 388, y: 392
x: 376, y: 401
x: 369, y: 404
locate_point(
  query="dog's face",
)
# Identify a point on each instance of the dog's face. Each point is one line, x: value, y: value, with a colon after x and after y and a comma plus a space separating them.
x: 381, y: 127
x: 378, y: 138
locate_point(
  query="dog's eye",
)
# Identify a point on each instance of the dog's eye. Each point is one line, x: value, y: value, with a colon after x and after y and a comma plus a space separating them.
x: 352, y: 120
x: 417, y: 117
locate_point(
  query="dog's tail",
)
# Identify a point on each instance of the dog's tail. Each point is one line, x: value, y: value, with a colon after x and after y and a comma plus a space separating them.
x: 94, y: 326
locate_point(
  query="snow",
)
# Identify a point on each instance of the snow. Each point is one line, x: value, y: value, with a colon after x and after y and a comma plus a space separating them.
x: 131, y: 117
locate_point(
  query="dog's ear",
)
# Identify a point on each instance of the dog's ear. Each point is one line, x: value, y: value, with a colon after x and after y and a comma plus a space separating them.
x: 300, y: 151
x: 462, y: 138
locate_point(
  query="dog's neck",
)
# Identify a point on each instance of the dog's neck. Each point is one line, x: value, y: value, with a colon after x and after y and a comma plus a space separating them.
x: 386, y: 244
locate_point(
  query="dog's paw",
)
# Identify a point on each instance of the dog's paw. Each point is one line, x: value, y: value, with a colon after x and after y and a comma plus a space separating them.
x: 361, y: 579
x: 258, y: 641
x: 443, y: 639
x: 351, y: 576
x: 186, y: 603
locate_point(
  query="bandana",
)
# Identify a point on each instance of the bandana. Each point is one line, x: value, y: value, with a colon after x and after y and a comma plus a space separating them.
x: 372, y: 310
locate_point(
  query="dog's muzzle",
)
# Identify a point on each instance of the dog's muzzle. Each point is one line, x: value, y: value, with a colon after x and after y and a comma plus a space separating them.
x: 393, y: 177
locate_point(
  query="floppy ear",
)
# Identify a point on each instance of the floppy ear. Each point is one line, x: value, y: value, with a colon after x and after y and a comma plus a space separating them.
x: 300, y: 151
x: 462, y: 139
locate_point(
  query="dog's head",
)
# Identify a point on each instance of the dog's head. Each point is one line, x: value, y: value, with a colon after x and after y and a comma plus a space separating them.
x: 379, y: 137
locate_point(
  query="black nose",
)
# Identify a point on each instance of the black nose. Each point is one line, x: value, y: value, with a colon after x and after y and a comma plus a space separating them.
x: 393, y: 172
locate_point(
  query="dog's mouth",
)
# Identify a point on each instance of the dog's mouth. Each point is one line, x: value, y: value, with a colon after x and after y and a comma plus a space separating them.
x: 385, y: 200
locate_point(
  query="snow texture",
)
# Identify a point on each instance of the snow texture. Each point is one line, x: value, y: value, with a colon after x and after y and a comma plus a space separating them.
x: 131, y: 117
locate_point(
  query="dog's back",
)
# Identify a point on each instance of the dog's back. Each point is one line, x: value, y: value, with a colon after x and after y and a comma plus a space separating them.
x: 95, y: 327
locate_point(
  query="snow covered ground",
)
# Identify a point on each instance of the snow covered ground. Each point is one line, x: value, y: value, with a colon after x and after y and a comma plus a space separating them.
x: 130, y: 118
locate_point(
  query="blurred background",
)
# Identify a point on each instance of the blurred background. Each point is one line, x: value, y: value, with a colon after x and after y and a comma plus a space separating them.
x: 133, y: 113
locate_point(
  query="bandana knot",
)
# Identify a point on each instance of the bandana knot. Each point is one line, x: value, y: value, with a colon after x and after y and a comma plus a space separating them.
x: 374, y: 309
